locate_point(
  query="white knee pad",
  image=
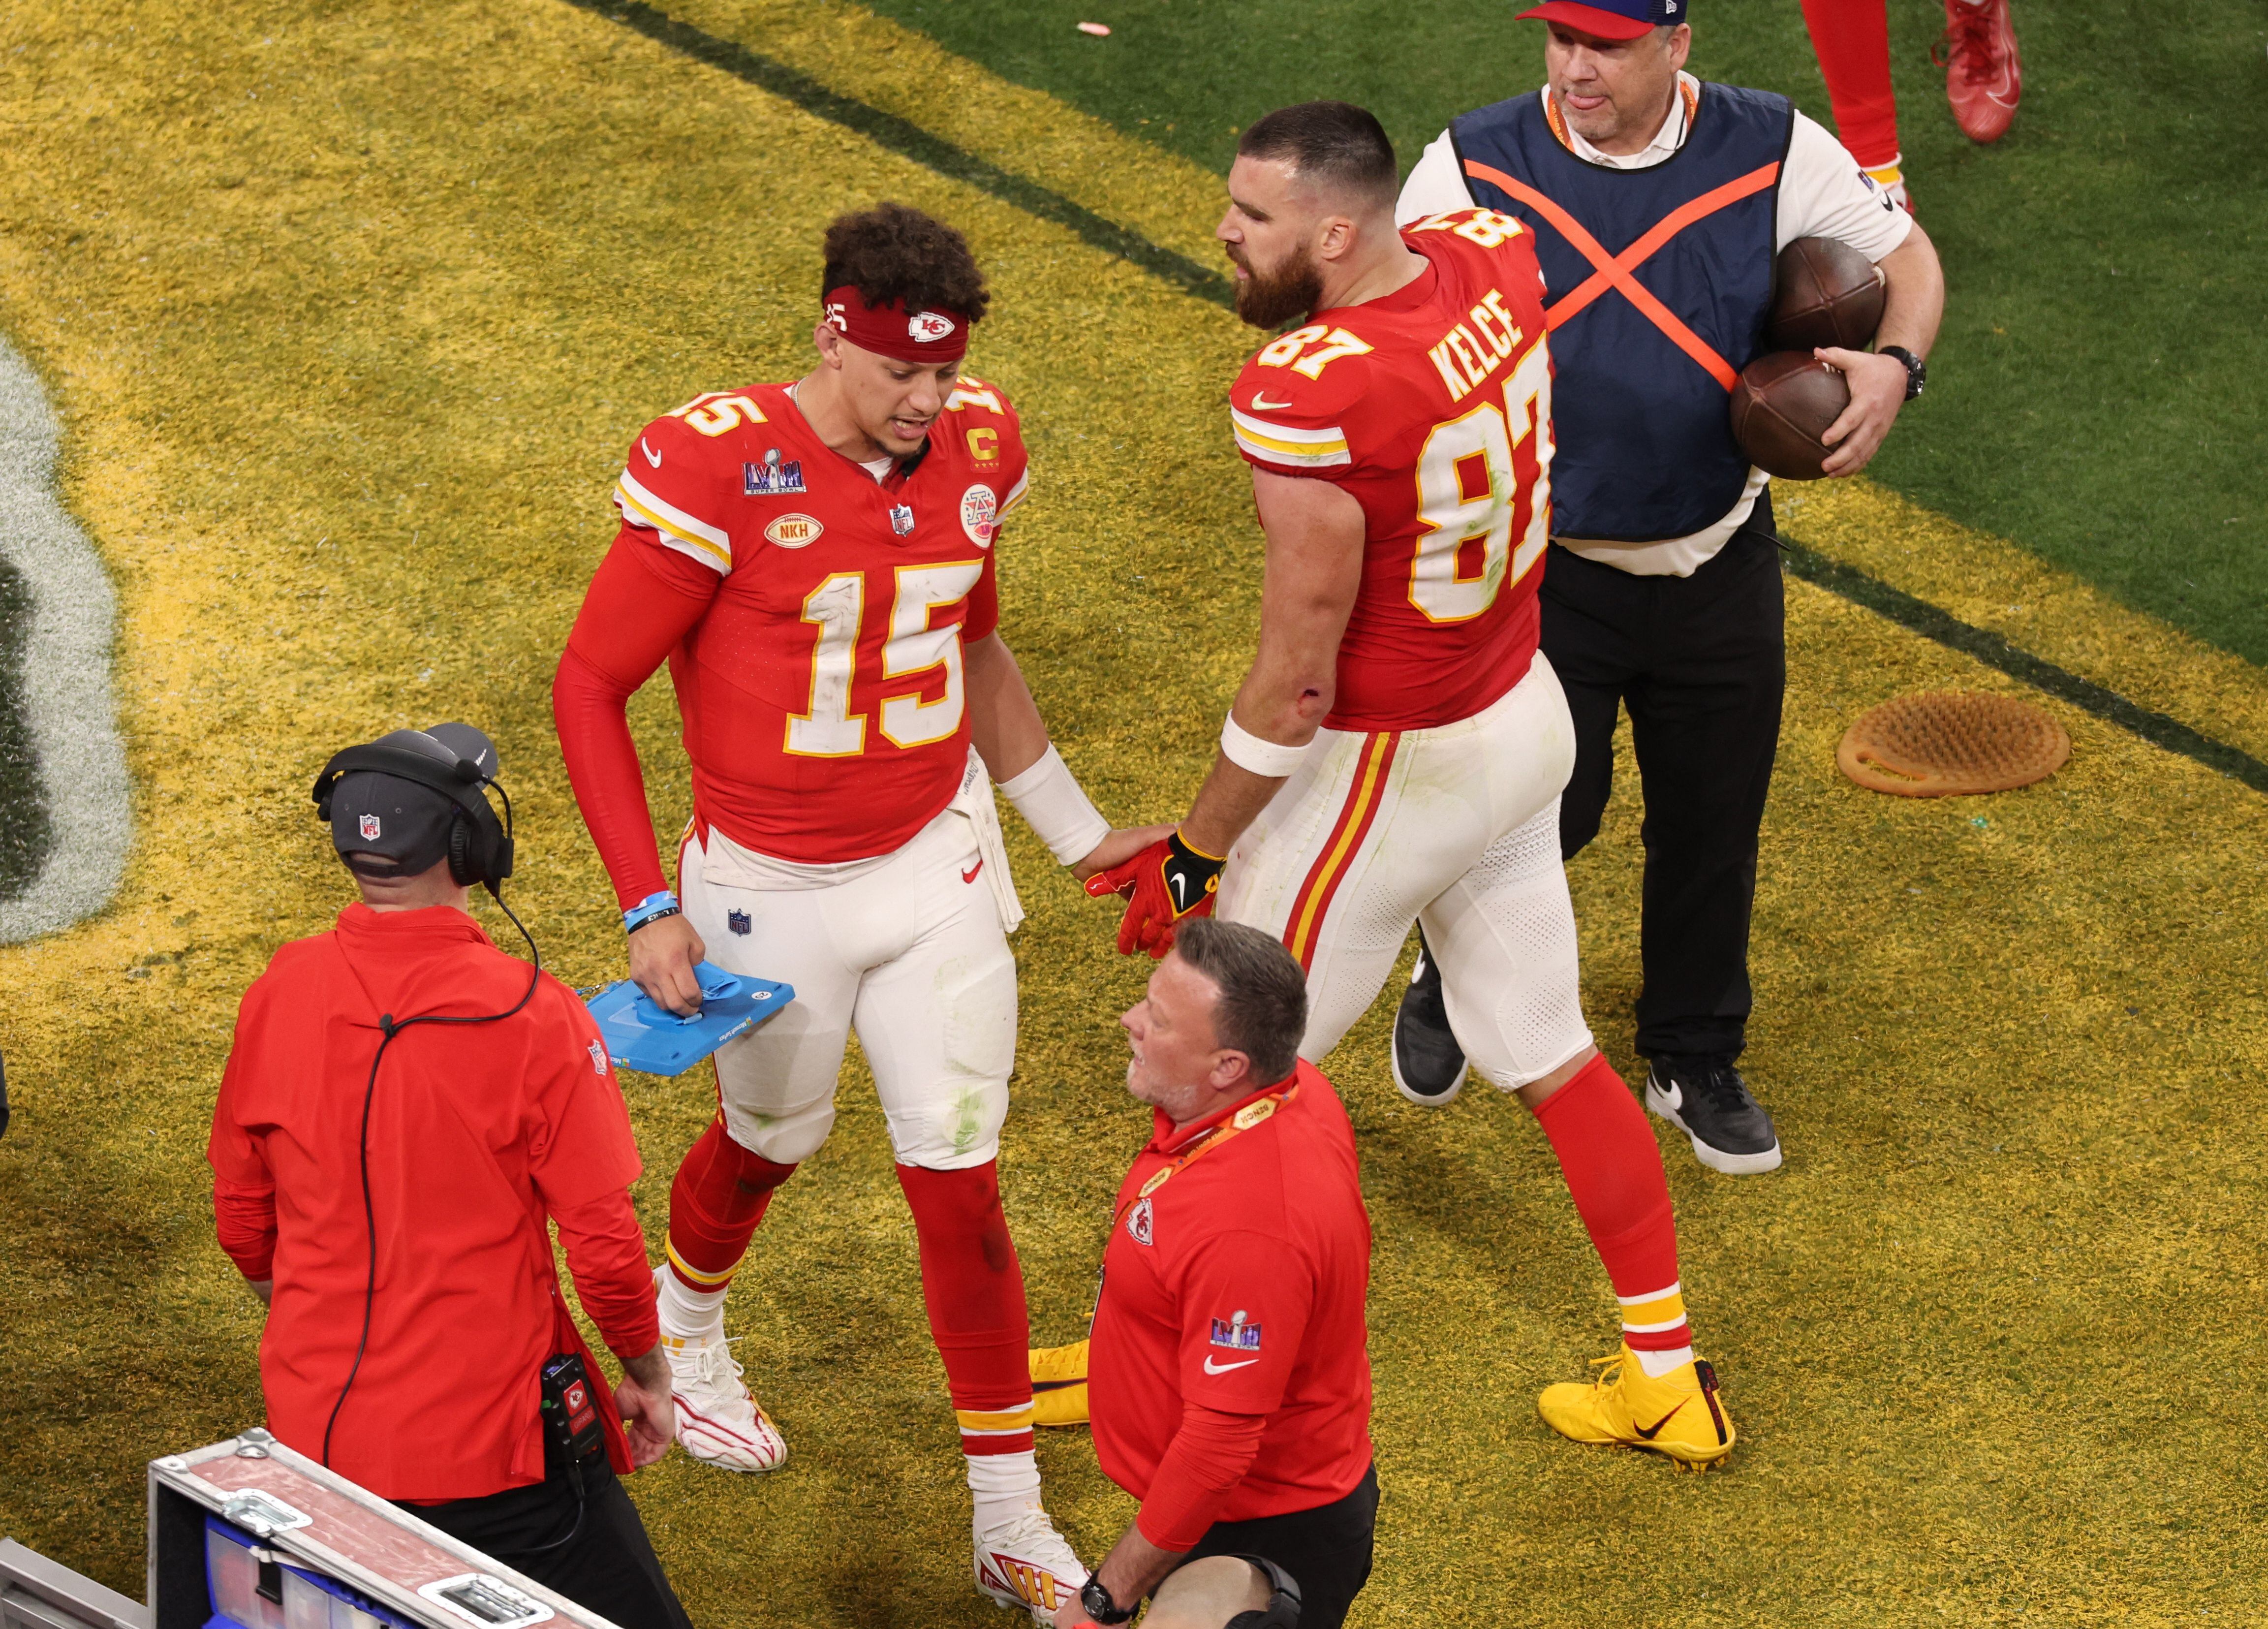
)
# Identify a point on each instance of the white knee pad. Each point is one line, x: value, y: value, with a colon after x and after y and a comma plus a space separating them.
x: 785, y: 1134
x: 952, y: 1129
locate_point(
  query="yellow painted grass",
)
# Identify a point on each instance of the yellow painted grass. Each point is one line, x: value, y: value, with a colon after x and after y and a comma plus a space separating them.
x: 350, y: 311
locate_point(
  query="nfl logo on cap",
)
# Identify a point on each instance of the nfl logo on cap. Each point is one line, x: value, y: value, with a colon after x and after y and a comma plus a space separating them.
x: 369, y: 828
x: 1609, y: 20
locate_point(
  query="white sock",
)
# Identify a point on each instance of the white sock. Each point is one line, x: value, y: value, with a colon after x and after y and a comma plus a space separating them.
x: 1656, y: 1364
x: 1003, y: 1485
x: 687, y: 1315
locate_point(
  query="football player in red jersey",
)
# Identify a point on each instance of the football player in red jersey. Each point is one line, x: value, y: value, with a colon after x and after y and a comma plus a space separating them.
x: 814, y: 561
x: 1396, y: 752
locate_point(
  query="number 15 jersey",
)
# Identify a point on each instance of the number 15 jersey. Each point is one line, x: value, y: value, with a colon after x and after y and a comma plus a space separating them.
x: 1432, y: 407
x: 812, y: 618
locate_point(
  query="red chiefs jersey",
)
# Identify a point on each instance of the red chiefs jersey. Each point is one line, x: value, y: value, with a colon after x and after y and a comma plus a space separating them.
x: 1237, y: 1283
x: 1433, y: 407
x: 819, y: 675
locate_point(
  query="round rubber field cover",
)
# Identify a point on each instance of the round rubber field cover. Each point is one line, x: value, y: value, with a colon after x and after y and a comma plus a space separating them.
x: 1944, y: 743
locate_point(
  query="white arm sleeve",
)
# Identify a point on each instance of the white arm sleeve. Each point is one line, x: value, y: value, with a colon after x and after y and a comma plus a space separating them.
x: 1824, y: 194
x: 1435, y: 186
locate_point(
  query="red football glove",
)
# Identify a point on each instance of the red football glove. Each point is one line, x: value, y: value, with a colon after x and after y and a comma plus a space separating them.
x: 1164, y: 885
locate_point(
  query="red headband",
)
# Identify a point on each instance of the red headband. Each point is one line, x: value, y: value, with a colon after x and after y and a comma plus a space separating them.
x: 926, y: 335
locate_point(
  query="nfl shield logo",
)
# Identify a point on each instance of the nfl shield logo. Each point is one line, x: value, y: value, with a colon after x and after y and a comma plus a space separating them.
x: 598, y: 1059
x: 369, y: 828
x: 902, y: 519
x: 738, y: 921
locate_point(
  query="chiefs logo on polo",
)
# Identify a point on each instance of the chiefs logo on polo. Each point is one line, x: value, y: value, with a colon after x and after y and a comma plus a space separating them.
x: 980, y: 515
x: 926, y: 328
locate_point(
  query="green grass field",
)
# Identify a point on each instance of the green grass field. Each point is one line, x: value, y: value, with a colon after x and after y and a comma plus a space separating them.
x: 349, y: 310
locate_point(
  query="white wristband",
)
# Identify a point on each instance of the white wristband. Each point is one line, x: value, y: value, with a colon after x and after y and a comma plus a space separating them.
x: 1248, y: 751
x: 1049, y: 799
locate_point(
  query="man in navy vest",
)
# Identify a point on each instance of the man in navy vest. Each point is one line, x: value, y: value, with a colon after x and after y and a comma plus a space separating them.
x: 1659, y: 204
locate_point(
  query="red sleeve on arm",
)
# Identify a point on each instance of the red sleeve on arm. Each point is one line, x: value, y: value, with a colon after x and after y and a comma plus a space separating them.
x: 641, y: 604
x: 584, y: 1159
x: 245, y: 1223
x: 984, y: 618
x: 1202, y: 1465
x: 244, y: 1189
x: 606, y: 1254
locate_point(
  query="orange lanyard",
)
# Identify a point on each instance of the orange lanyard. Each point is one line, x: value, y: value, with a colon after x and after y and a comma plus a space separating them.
x: 1257, y: 1112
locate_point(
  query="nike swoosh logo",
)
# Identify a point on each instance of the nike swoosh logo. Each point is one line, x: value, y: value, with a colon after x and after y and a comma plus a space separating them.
x: 652, y: 457
x: 1262, y: 404
x: 1647, y: 1432
x: 969, y: 875
x: 1212, y: 1368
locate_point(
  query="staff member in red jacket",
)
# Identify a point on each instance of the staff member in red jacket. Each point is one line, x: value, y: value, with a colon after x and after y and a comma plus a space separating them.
x: 403, y: 1108
x: 1229, y: 1377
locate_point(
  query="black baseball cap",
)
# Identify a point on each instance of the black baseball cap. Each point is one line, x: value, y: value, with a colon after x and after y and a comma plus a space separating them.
x: 403, y: 826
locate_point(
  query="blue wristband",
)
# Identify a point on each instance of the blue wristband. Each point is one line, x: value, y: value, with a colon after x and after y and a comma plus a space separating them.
x: 651, y: 909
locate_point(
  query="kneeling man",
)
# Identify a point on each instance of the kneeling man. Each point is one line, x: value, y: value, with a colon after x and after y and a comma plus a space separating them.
x: 1229, y: 1371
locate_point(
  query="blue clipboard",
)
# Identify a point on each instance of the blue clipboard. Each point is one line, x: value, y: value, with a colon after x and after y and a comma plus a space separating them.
x: 653, y: 1040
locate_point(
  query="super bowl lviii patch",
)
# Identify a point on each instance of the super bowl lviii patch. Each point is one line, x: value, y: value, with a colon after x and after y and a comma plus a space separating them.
x: 1235, y: 1334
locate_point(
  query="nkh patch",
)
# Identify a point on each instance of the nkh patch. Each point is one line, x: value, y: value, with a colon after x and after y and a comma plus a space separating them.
x: 598, y: 1059
x: 1235, y: 1334
x: 369, y: 824
x: 738, y: 921
x: 1137, y: 1227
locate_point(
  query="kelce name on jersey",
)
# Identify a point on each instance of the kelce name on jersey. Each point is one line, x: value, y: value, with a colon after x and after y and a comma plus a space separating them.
x: 1467, y: 355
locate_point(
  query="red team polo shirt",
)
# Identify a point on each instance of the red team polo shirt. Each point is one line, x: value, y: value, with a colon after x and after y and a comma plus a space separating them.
x: 1432, y: 407
x: 1237, y: 1285
x: 813, y: 619
x: 479, y: 1135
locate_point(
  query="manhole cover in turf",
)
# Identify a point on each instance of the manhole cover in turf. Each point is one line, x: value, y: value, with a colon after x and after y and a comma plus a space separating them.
x: 1945, y: 743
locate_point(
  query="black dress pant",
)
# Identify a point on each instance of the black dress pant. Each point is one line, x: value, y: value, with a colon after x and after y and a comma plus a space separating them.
x: 1701, y: 662
x: 1326, y: 1550
x: 607, y: 1565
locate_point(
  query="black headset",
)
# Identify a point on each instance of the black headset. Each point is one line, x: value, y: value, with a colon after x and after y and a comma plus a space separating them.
x: 479, y: 844
x: 480, y: 852
x: 1282, y: 1609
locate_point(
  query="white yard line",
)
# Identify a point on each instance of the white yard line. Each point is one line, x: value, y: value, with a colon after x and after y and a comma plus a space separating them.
x: 66, y: 671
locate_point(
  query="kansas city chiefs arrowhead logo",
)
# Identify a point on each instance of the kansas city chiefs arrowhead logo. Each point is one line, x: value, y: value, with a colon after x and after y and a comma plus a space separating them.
x: 928, y: 327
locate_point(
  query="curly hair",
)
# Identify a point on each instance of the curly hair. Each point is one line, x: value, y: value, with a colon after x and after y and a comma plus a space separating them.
x: 894, y: 252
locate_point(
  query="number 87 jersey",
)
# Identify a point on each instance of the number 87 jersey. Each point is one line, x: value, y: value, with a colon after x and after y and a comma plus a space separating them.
x: 1432, y: 407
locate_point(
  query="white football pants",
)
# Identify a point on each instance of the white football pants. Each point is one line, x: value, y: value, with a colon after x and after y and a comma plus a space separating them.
x: 909, y: 951
x: 1456, y: 828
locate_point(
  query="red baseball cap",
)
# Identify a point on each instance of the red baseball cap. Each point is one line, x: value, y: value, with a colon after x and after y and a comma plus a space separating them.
x: 1611, y: 20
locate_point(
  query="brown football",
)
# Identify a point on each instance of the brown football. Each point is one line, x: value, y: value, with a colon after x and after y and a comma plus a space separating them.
x: 1782, y: 404
x: 1823, y: 293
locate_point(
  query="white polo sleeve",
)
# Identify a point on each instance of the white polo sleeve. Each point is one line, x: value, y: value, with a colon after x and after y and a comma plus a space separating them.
x: 1436, y: 186
x: 1824, y: 194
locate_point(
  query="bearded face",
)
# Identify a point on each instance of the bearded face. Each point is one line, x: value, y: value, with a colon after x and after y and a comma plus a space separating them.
x: 1270, y: 296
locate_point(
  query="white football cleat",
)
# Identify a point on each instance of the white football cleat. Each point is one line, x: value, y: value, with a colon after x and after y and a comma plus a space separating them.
x: 1025, y: 1563
x: 718, y: 1421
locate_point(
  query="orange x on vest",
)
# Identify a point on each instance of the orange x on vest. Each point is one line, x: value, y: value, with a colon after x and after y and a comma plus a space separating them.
x: 1615, y: 270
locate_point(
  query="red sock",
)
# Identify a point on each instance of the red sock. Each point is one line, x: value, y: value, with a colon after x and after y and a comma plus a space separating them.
x: 974, y: 1286
x: 1614, y: 1171
x: 715, y: 1203
x: 1852, y: 38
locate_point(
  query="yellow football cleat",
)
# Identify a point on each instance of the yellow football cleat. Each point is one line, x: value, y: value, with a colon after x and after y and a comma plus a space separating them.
x: 1059, y: 1384
x: 1679, y: 1414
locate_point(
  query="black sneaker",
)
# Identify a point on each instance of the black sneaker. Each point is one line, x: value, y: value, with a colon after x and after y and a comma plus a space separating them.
x: 1703, y: 1097
x: 1429, y: 1065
